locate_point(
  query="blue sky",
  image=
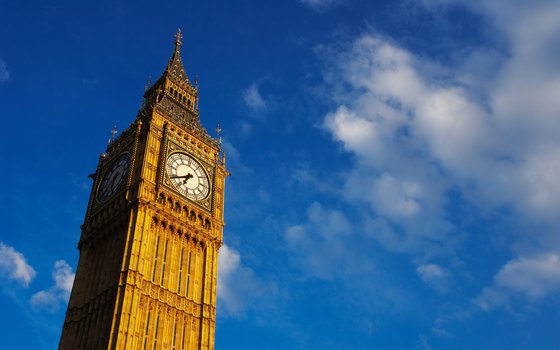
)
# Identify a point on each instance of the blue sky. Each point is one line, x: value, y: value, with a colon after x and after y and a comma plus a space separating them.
x: 395, y: 163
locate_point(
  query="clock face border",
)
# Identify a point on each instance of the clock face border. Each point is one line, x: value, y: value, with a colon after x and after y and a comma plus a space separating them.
x: 209, y: 171
x: 180, y: 180
x: 104, y: 178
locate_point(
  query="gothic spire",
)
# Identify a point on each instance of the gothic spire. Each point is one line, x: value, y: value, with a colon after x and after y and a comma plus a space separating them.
x: 175, y: 67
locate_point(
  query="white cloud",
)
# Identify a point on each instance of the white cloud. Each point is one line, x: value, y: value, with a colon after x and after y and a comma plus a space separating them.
x: 253, y: 98
x: 430, y: 272
x: 358, y: 134
x: 393, y: 172
x: 395, y: 199
x: 64, y: 278
x: 420, y: 130
x: 4, y: 73
x: 402, y: 113
x: 521, y: 121
x: 435, y: 276
x: 238, y: 287
x: 51, y: 299
x: 14, y: 266
x: 295, y: 234
x: 45, y: 300
x: 321, y: 246
x: 533, y: 278
x: 397, y: 112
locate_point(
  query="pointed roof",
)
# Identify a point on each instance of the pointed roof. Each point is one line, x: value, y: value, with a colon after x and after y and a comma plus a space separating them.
x: 175, y: 67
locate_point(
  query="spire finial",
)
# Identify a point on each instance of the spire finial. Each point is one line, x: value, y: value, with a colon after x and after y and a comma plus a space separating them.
x: 114, y: 132
x: 178, y: 37
x: 175, y: 67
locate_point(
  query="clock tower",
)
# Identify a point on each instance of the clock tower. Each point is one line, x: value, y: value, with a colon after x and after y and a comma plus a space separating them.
x: 147, y: 273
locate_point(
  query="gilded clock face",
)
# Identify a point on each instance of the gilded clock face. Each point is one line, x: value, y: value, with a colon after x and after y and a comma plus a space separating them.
x: 187, y: 176
x: 114, y: 178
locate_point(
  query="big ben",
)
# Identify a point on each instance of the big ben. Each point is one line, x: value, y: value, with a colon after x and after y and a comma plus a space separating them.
x: 147, y: 273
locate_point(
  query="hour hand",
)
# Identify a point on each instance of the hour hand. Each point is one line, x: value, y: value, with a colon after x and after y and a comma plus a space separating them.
x: 188, y: 176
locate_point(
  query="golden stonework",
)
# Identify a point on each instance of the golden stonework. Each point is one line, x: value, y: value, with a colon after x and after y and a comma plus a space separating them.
x: 147, y: 273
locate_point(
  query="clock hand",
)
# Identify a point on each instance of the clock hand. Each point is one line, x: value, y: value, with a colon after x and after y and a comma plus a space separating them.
x: 180, y: 176
x: 115, y: 178
x: 188, y: 176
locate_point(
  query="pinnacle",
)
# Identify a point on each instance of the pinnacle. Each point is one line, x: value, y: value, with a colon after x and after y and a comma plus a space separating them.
x: 175, y: 68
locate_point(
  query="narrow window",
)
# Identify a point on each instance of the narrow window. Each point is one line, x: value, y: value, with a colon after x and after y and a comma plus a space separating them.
x: 180, y: 272
x: 155, y: 260
x: 164, y: 261
x: 174, y: 335
x: 188, y: 274
x: 146, y: 331
x: 156, y: 333
x: 183, y: 336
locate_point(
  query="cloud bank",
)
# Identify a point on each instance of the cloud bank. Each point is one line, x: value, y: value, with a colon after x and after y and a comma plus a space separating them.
x: 421, y: 132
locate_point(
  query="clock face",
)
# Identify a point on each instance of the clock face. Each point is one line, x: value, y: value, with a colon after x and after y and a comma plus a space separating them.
x: 187, y: 176
x: 114, y: 178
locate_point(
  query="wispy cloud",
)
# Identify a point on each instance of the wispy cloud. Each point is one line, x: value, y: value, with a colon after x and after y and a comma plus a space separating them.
x: 14, y: 266
x: 50, y: 300
x: 435, y: 276
x: 254, y: 99
x: 4, y: 73
x: 533, y: 278
x: 239, y: 289
x: 320, y: 245
x: 328, y: 246
x: 257, y: 105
